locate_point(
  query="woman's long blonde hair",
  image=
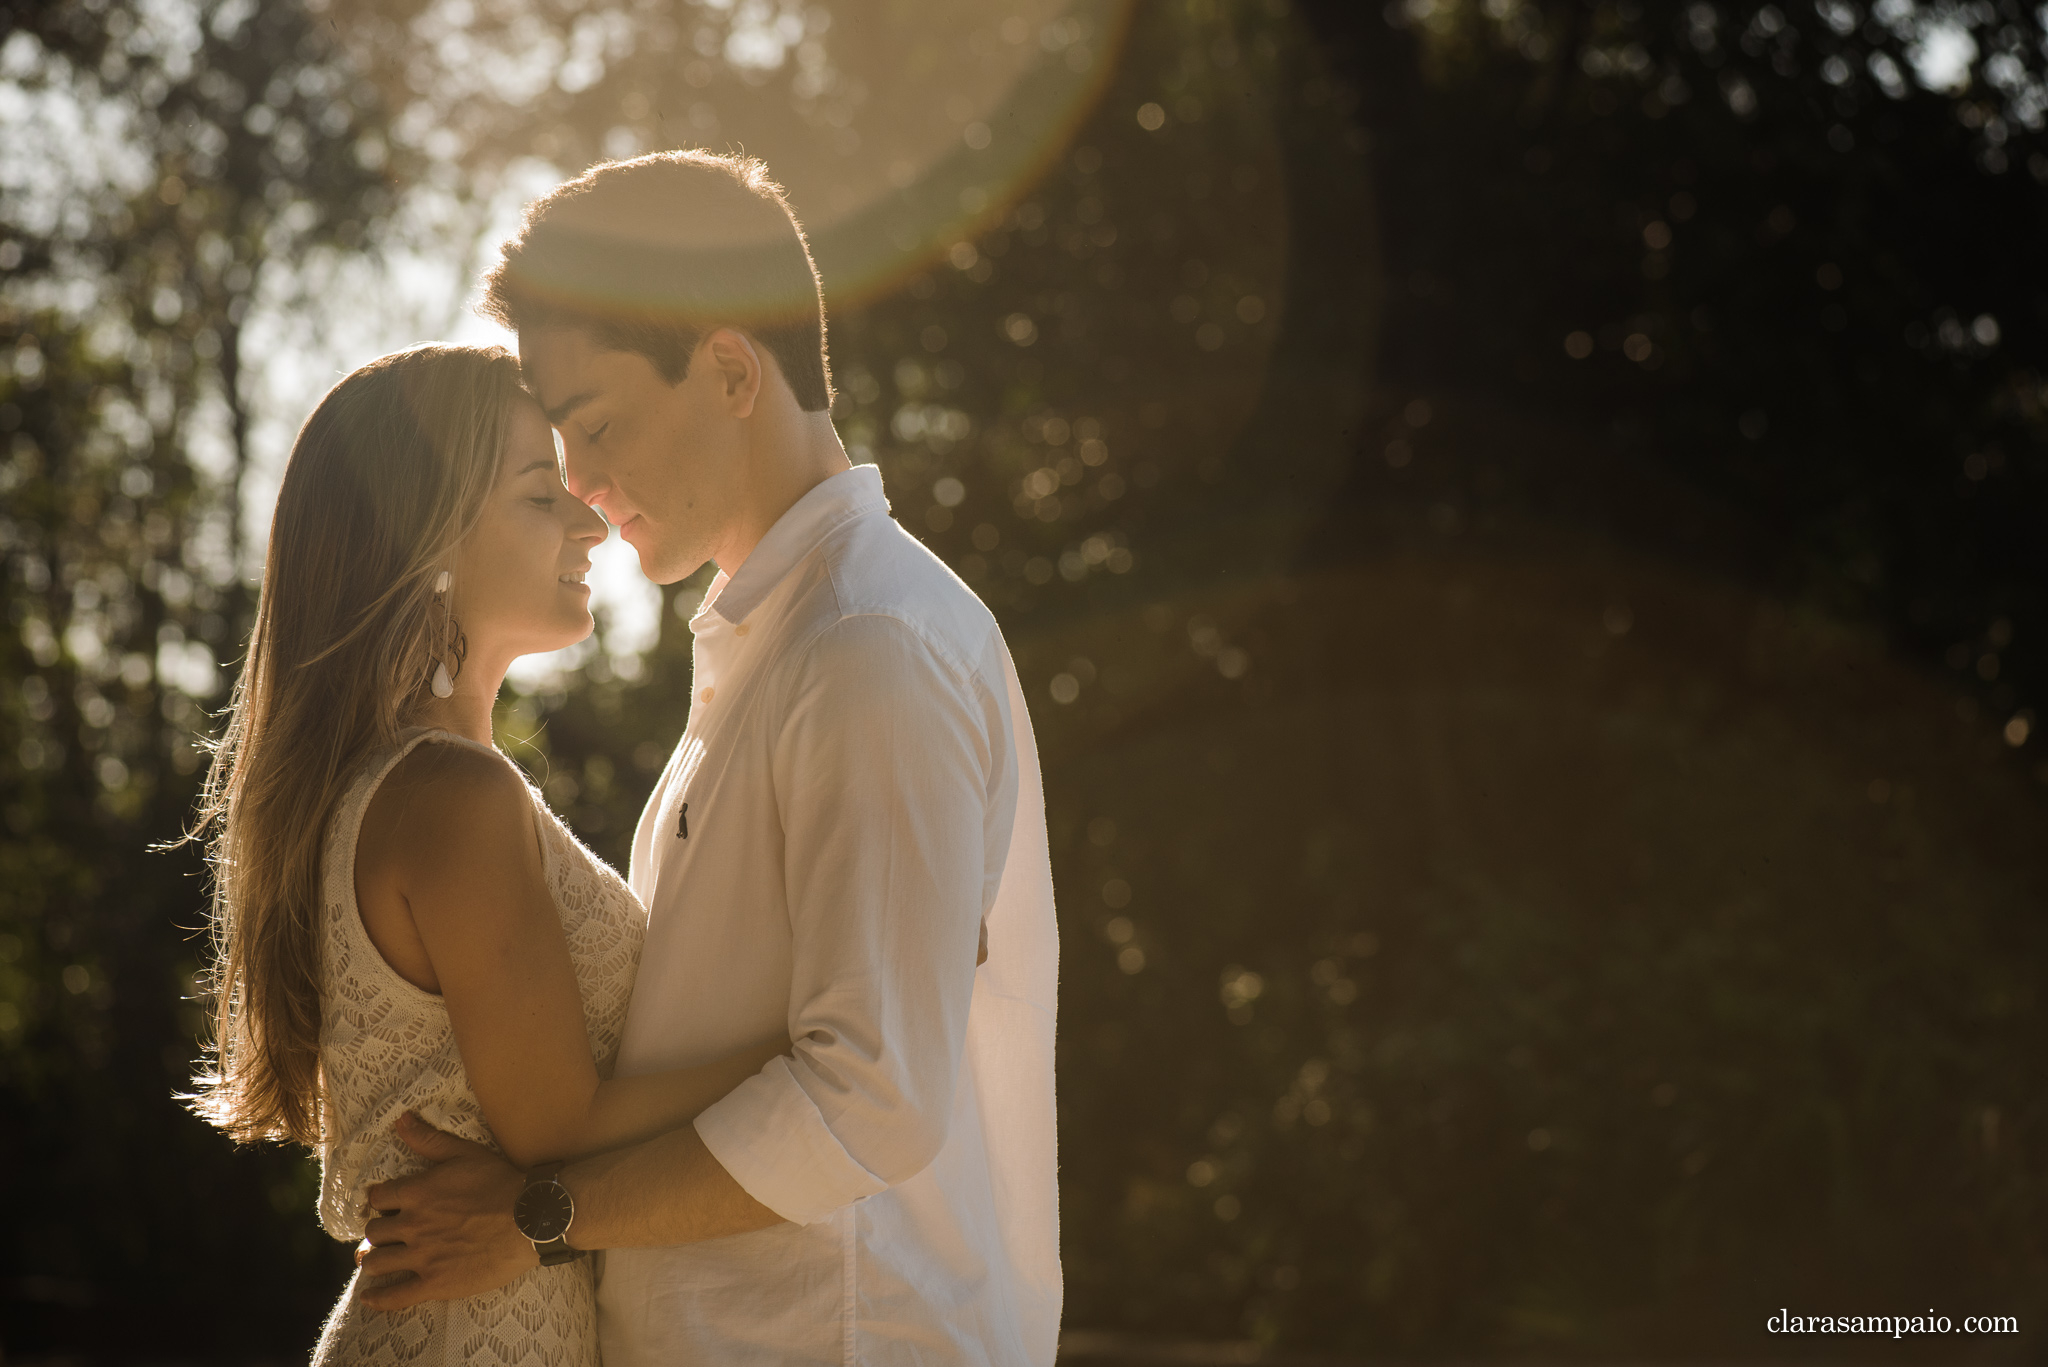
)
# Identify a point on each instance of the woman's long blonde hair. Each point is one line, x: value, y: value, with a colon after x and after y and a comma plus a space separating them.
x: 386, y: 478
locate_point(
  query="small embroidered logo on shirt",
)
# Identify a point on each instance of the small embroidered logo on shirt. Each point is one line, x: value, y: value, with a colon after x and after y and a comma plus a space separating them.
x: 683, y: 823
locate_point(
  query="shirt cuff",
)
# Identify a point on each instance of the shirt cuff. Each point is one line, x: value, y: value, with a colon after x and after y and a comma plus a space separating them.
x: 769, y: 1135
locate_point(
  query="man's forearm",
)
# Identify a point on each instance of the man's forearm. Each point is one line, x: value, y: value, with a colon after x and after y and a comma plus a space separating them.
x: 668, y: 1190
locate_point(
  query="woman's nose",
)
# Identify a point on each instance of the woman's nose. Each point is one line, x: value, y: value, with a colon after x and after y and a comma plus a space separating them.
x: 589, y: 524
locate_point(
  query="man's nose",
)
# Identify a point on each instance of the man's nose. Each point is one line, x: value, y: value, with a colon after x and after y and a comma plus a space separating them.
x: 581, y: 474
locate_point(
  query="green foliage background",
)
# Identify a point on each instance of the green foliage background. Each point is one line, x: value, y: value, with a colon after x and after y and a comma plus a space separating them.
x: 1526, y: 557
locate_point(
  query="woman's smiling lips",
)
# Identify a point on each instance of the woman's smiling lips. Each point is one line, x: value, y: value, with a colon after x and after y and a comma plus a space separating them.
x: 574, y: 579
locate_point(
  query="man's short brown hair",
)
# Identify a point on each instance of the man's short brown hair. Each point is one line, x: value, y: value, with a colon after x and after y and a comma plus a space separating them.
x: 649, y: 255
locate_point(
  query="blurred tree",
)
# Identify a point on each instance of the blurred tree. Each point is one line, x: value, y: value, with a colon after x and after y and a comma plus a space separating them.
x: 1783, y: 252
x: 183, y: 160
x: 1697, y: 284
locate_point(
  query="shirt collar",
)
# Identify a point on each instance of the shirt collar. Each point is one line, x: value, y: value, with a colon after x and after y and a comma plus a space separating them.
x: 845, y: 496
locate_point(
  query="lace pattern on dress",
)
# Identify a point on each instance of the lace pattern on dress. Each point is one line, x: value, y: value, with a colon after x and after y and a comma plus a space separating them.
x: 387, y: 1047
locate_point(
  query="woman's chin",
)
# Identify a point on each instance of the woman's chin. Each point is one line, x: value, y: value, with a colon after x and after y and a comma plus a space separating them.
x: 569, y: 634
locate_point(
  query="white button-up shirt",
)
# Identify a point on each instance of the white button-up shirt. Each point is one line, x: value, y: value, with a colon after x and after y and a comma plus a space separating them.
x: 856, y: 794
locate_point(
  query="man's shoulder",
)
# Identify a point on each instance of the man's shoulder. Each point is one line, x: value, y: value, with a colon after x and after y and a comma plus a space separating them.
x: 874, y: 569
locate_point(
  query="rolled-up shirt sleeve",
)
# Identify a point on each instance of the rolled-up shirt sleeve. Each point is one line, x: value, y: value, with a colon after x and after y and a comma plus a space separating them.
x: 888, y: 762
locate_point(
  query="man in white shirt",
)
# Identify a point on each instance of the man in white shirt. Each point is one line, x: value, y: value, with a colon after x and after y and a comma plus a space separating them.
x: 853, y: 817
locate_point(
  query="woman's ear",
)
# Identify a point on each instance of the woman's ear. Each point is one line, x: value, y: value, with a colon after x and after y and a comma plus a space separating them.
x: 738, y: 365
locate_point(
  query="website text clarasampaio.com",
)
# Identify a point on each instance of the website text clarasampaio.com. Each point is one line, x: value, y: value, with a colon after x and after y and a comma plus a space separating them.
x: 1898, y: 1326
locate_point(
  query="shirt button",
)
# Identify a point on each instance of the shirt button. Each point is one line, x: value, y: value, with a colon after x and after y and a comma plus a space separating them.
x: 705, y: 695
x: 741, y: 630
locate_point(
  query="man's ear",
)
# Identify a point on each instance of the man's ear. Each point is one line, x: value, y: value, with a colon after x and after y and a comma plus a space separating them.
x: 737, y: 364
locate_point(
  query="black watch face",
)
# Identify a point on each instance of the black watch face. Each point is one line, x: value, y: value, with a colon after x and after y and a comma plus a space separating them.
x: 543, y: 1211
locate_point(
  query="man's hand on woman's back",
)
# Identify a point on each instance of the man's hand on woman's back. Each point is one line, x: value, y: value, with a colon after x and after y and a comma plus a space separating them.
x: 447, y: 1230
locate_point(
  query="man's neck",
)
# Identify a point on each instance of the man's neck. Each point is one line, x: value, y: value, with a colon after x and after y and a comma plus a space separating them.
x: 787, y: 461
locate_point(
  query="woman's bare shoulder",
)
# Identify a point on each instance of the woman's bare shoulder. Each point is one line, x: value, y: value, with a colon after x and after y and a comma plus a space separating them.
x: 448, y: 823
x: 445, y: 804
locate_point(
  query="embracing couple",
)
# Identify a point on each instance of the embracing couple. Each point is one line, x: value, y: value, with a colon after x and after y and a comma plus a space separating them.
x: 784, y: 1094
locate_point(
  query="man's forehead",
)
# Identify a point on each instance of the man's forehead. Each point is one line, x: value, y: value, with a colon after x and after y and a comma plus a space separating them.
x: 552, y: 363
x: 547, y: 351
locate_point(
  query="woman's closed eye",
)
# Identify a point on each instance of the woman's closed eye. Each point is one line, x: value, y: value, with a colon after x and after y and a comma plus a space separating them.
x: 597, y: 432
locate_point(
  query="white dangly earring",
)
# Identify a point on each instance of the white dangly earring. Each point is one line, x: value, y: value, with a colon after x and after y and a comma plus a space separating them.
x: 443, y: 686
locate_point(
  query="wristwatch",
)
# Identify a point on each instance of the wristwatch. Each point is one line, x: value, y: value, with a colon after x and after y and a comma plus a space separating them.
x: 543, y: 1212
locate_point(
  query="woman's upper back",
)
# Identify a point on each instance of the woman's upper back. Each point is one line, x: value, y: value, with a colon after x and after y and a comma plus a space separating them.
x: 387, y: 1044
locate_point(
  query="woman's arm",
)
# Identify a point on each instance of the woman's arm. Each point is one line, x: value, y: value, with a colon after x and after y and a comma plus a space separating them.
x: 454, y: 894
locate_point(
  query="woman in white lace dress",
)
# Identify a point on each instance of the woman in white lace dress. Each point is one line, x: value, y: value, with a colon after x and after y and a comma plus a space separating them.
x: 401, y: 925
